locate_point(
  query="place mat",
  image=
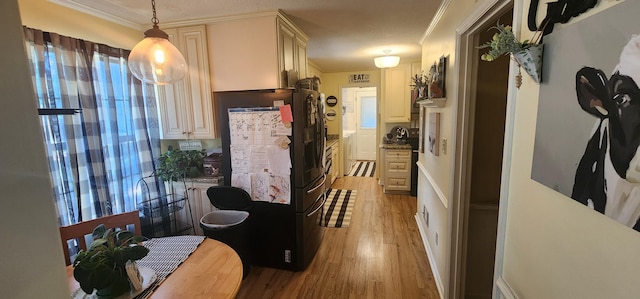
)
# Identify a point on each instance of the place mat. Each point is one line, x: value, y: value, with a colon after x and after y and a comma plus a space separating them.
x: 338, y: 208
x: 363, y: 169
x: 165, y: 255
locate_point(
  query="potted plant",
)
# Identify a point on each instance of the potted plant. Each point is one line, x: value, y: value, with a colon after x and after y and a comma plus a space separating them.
x: 176, y: 164
x: 528, y: 53
x: 102, y: 267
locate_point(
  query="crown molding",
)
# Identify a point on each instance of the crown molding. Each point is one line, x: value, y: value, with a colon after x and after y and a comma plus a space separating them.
x: 436, y: 18
x: 71, y: 4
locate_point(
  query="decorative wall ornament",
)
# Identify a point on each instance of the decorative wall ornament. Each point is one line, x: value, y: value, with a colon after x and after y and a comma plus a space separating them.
x: 588, y: 123
x: 527, y: 54
x: 436, y: 78
x: 434, y: 133
x: 560, y: 11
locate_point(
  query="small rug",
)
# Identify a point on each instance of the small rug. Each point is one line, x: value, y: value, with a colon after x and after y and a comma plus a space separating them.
x: 363, y: 168
x: 338, y: 208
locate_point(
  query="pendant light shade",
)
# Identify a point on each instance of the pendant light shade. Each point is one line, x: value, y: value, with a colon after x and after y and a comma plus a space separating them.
x: 155, y: 59
x: 387, y: 61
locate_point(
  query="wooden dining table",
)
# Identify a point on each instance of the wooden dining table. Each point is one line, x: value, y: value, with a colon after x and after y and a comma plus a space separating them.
x: 213, y: 270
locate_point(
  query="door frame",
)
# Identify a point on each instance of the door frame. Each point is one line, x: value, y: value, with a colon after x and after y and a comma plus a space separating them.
x: 463, y: 107
x: 379, y: 127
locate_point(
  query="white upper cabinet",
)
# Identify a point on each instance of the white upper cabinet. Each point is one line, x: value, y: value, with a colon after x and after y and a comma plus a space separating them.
x: 250, y: 52
x: 301, y: 55
x: 397, y: 93
x: 186, y: 107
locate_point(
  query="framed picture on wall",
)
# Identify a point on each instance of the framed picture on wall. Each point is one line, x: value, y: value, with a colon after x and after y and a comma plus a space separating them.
x: 434, y: 133
x: 586, y: 138
x: 436, y: 78
x: 423, y: 128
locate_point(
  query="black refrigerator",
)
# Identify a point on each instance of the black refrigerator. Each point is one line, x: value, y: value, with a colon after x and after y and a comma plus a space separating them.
x: 284, y: 235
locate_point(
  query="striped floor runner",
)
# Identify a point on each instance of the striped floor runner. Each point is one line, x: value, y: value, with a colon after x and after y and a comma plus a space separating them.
x: 338, y: 208
x: 363, y: 168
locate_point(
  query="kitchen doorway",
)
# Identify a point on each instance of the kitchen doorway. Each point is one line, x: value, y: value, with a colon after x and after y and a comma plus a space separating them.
x: 360, y: 120
x: 366, y: 123
x: 479, y: 180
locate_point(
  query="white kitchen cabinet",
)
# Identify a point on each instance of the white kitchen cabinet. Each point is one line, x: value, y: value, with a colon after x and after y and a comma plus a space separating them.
x: 185, y: 107
x: 335, y: 157
x: 397, y: 93
x: 196, y: 192
x: 200, y: 204
x: 301, y: 55
x: 347, y: 158
x: 397, y: 170
x: 250, y: 52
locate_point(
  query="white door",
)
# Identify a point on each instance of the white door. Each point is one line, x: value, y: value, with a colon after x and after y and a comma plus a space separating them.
x: 366, y: 124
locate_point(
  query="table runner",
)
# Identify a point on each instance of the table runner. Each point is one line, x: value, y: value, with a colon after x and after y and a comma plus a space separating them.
x: 165, y: 255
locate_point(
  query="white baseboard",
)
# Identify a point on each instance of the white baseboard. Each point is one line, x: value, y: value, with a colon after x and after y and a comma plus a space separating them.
x: 430, y: 256
x: 504, y: 289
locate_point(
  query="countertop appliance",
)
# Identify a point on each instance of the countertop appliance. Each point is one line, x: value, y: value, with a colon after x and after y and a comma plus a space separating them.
x: 284, y: 236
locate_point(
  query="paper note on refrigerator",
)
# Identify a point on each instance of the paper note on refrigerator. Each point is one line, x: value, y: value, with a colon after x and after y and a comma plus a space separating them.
x: 279, y: 160
x: 285, y: 114
x: 259, y: 165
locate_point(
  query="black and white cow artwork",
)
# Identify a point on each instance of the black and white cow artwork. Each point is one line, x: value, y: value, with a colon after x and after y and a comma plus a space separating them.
x: 608, y: 174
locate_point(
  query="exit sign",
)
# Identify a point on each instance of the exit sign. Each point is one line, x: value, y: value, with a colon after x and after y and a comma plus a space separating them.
x: 359, y: 78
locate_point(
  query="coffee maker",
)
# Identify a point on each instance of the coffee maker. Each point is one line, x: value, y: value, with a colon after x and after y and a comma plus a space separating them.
x: 401, y: 135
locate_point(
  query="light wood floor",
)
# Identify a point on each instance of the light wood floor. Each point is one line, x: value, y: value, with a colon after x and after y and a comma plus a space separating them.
x: 380, y: 255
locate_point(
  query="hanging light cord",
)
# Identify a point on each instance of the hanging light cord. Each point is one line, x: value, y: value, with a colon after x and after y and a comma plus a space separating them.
x: 155, y: 31
x: 154, y: 20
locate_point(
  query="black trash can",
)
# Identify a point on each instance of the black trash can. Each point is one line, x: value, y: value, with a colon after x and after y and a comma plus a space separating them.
x: 230, y: 224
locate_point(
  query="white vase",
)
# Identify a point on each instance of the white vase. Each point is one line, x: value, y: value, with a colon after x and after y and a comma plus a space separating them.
x: 530, y: 60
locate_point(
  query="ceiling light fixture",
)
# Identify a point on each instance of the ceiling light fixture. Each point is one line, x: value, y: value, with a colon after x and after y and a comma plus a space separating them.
x: 387, y: 61
x: 155, y: 59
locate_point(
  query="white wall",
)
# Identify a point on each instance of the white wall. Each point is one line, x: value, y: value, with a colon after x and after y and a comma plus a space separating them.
x: 32, y: 261
x: 435, y: 171
x: 48, y: 16
x: 553, y: 247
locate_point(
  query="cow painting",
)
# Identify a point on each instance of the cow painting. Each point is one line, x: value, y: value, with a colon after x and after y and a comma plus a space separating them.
x: 608, y: 175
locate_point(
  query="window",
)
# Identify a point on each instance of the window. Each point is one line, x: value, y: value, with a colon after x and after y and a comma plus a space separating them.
x: 96, y: 156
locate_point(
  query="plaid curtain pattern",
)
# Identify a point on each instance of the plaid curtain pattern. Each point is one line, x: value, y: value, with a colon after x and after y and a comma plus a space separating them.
x: 95, y: 157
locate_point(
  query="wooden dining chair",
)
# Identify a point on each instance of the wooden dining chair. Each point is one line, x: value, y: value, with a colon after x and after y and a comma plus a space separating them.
x: 81, y: 230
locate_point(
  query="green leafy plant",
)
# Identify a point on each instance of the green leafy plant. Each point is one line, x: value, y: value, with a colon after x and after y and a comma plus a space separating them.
x: 102, y: 266
x: 177, y: 164
x: 503, y: 42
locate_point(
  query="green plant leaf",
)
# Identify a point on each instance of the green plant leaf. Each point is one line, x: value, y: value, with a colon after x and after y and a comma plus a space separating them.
x: 97, y: 242
x: 99, y: 231
x: 123, y: 237
x: 102, y: 265
x: 135, y: 253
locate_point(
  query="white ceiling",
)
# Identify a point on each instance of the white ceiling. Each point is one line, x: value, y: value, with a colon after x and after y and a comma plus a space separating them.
x: 344, y: 35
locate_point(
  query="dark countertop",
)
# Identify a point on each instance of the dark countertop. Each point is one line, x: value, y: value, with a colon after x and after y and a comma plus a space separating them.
x: 395, y: 146
x: 332, y: 136
x: 208, y: 180
x: 331, y: 142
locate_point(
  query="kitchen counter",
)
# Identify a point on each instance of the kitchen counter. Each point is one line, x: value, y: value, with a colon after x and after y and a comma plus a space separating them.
x: 331, y: 142
x: 395, y: 146
x: 208, y: 180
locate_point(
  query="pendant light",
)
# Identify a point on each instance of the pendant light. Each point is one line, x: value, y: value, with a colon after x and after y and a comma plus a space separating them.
x: 155, y: 59
x: 387, y: 61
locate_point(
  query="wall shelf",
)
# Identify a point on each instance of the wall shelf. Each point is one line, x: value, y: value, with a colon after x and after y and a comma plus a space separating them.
x: 435, y: 102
